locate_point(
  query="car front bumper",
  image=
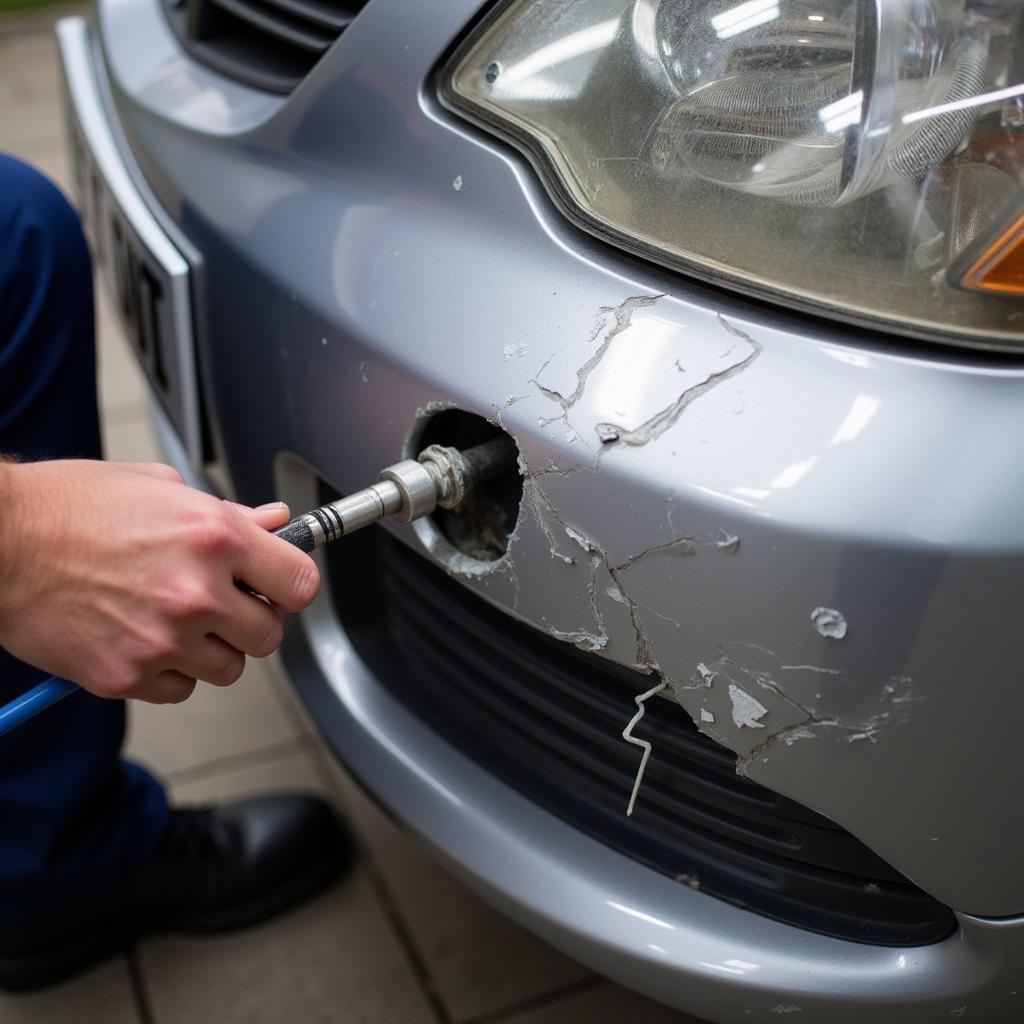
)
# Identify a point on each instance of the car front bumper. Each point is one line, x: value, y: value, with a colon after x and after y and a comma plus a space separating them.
x: 344, y: 288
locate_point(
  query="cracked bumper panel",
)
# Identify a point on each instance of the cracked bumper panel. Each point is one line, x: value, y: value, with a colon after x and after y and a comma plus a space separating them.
x: 546, y: 719
x: 723, y: 474
x: 642, y: 929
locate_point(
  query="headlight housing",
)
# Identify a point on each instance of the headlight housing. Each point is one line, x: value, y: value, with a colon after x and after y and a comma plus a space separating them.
x: 863, y: 158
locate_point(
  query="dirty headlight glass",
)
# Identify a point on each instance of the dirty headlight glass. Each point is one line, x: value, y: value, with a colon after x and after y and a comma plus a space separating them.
x: 859, y: 157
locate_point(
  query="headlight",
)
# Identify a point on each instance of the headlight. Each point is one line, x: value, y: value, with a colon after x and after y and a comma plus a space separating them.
x: 859, y: 157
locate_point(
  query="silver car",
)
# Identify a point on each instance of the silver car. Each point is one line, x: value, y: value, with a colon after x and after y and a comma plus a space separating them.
x: 720, y: 690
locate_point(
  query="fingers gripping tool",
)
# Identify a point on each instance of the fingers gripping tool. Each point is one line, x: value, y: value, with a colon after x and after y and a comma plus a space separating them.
x: 407, y: 491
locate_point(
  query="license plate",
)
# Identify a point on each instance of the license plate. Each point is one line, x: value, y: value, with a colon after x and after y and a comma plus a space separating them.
x: 147, y: 276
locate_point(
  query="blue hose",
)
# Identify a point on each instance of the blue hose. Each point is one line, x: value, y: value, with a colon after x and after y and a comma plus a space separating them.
x: 29, y: 704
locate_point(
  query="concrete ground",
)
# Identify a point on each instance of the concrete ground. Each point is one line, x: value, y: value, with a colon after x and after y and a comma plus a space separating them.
x: 398, y: 941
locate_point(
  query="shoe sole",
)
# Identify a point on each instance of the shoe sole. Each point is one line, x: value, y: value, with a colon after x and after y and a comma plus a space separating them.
x: 47, y: 967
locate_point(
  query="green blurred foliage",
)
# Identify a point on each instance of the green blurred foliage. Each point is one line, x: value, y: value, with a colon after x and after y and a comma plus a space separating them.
x: 27, y: 5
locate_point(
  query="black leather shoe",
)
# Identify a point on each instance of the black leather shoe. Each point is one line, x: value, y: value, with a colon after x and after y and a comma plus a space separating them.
x: 215, y: 869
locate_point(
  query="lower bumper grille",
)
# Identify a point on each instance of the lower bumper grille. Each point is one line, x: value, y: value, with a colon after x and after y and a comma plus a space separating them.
x: 547, y: 720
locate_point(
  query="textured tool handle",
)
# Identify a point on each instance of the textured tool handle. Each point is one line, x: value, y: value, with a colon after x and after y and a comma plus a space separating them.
x: 297, y: 532
x: 318, y: 526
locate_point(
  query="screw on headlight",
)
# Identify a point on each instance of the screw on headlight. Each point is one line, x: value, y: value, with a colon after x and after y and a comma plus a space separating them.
x: 492, y: 72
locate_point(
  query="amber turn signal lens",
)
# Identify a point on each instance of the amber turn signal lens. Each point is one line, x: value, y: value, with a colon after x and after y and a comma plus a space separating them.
x: 1000, y: 268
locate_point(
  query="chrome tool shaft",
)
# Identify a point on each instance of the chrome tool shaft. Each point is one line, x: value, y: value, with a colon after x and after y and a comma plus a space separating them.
x: 408, y: 490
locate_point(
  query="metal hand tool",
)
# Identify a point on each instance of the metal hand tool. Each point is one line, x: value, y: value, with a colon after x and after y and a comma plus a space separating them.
x: 407, y: 491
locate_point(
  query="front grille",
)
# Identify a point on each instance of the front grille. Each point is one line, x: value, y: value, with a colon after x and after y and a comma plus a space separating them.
x: 547, y: 720
x: 270, y: 44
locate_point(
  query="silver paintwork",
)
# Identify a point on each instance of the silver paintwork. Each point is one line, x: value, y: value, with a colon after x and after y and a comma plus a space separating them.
x: 168, y: 79
x: 807, y: 466
x: 634, y: 925
x: 173, y: 448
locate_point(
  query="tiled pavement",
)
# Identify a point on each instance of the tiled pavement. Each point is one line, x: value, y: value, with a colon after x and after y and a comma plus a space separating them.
x: 399, y: 940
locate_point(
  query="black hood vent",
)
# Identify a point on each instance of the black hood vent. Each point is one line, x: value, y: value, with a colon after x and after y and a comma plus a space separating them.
x: 268, y: 44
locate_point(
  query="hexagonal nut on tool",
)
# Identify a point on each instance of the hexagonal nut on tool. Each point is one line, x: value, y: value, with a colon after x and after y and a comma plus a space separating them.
x: 452, y: 471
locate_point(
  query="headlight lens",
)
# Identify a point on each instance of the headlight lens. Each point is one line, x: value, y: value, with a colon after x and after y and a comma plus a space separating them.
x: 863, y: 157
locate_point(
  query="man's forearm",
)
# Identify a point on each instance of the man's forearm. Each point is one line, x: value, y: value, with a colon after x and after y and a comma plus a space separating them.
x: 14, y: 528
x: 9, y: 521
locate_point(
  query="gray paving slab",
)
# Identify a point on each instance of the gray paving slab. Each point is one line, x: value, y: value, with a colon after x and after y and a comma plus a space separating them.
x: 481, y: 962
x: 122, y: 387
x: 335, y: 959
x: 100, y: 996
x: 129, y: 438
x: 604, y: 1004
x: 216, y: 724
x: 30, y: 125
x: 40, y: 18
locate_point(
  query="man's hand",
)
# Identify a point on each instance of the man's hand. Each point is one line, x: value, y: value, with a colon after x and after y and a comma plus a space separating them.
x: 121, y: 578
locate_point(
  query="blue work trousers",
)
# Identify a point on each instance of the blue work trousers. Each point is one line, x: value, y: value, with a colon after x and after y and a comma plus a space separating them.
x: 75, y: 818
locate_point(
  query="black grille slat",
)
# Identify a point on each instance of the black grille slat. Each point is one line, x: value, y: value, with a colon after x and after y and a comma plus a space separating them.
x: 322, y: 15
x: 275, y: 26
x: 669, y: 781
x: 683, y: 753
x: 601, y: 729
x: 568, y: 680
x: 589, y: 773
x: 547, y: 719
x: 615, y: 772
x: 269, y: 44
x: 542, y: 766
x: 612, y: 758
x: 543, y: 762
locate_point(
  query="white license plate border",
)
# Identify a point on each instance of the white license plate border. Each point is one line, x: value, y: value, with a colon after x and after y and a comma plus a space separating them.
x: 111, y: 203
